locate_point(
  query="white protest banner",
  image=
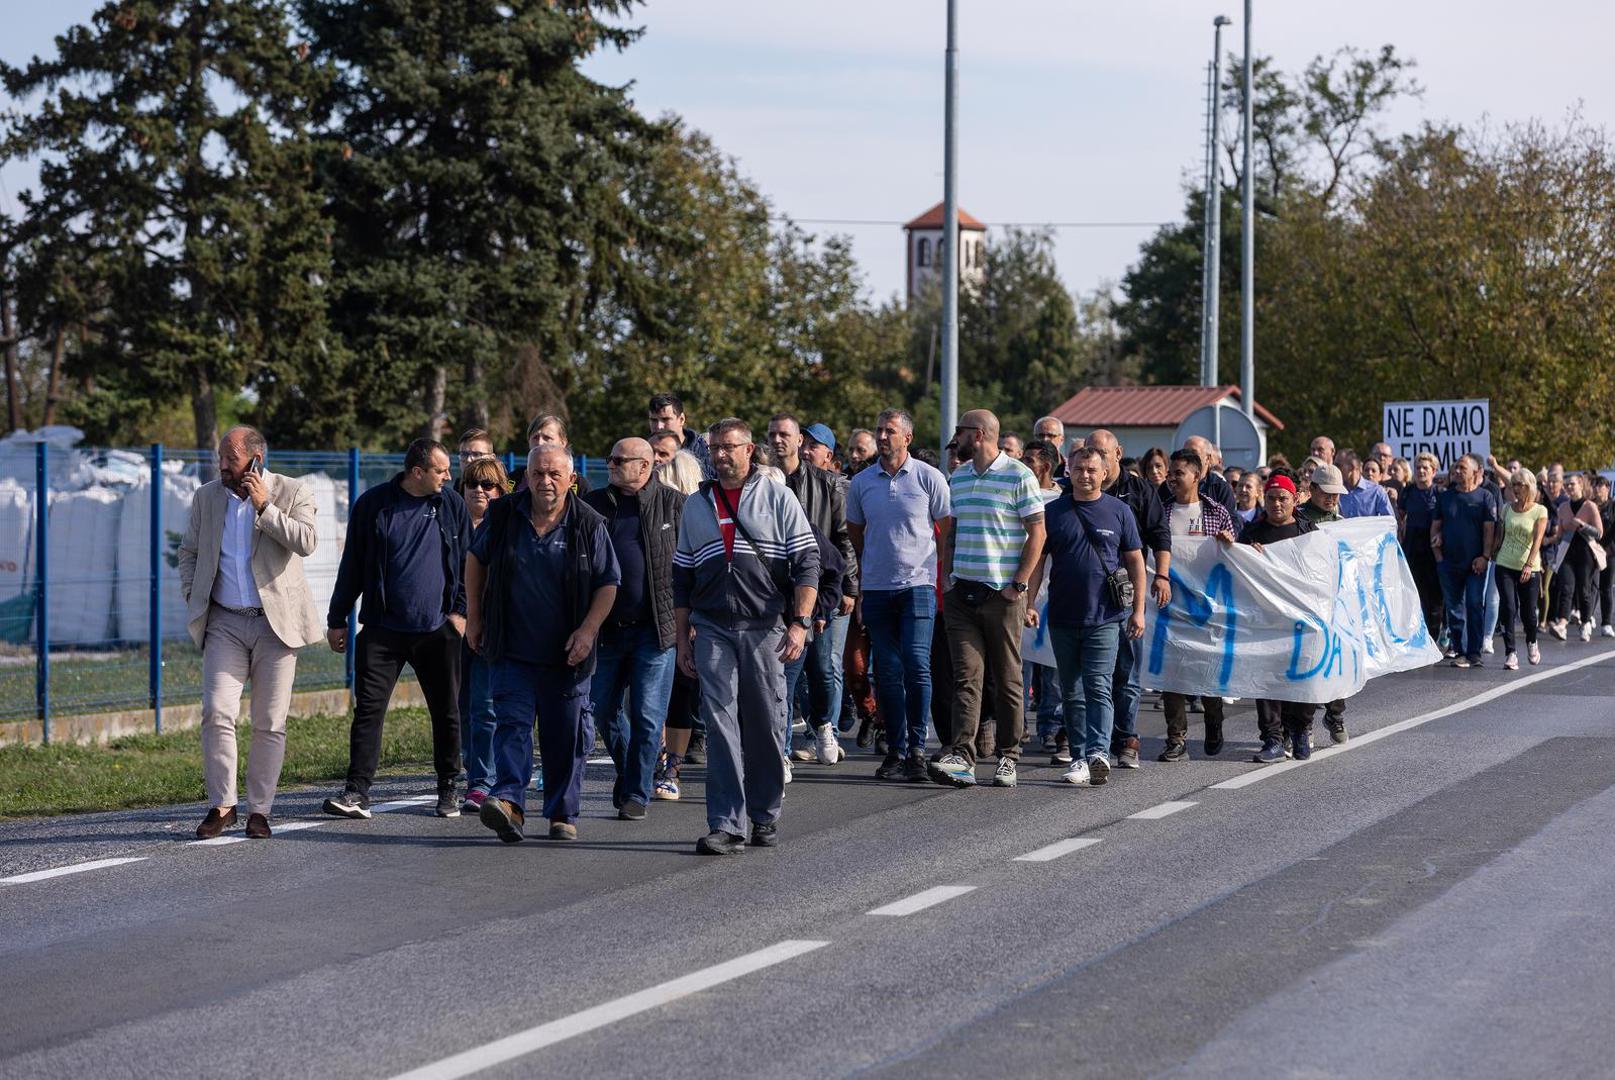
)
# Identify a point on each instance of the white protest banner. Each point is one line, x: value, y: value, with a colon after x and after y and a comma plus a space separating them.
x: 1447, y: 429
x: 1309, y: 619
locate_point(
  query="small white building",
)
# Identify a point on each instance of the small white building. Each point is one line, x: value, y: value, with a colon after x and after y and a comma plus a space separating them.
x: 925, y: 250
x: 1142, y: 417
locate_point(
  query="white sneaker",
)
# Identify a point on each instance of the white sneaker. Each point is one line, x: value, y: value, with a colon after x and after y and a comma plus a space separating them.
x: 1557, y: 629
x: 1607, y: 631
x: 1077, y: 773
x: 1586, y: 631
x: 825, y: 745
x: 1489, y: 648
x: 1511, y: 662
x: 1533, y: 654
x: 787, y: 770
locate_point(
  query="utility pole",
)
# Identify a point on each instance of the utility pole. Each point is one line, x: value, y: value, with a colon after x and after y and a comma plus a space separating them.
x: 1213, y: 214
x: 950, y: 229
x: 1208, y: 163
x: 1247, y: 236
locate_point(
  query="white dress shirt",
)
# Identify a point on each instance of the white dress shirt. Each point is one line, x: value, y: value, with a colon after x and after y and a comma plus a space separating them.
x: 233, y: 585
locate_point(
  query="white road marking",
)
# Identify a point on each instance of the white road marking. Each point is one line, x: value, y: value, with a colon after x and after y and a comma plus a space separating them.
x: 61, y: 871
x: 1056, y: 849
x: 1370, y: 737
x: 922, y: 900
x: 1166, y: 809
x: 536, y: 1038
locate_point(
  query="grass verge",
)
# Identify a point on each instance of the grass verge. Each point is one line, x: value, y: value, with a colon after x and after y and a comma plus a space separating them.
x: 160, y: 770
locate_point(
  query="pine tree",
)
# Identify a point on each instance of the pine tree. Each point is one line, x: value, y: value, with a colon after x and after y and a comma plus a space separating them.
x: 169, y: 135
x: 478, y: 199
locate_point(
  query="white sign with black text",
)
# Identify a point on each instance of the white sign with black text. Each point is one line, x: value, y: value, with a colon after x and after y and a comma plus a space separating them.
x: 1447, y: 429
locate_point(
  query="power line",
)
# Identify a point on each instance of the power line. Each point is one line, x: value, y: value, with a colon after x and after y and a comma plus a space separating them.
x: 989, y: 224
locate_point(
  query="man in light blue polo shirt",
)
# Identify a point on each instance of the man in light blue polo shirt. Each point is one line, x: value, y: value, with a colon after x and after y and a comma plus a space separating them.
x: 893, y: 509
x: 987, y: 560
x: 1363, y: 497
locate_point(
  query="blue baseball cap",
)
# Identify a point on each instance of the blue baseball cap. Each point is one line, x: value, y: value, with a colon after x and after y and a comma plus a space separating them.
x: 819, y: 433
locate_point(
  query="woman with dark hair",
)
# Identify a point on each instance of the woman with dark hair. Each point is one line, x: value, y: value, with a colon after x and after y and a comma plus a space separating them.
x: 482, y: 481
x: 1153, y: 466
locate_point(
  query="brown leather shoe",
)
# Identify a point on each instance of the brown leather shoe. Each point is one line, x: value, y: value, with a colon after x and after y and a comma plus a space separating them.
x: 258, y: 827
x: 563, y: 830
x: 503, y: 817
x: 215, y: 823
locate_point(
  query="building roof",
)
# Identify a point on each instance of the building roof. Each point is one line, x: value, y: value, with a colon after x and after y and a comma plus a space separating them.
x: 933, y: 219
x: 1147, y: 406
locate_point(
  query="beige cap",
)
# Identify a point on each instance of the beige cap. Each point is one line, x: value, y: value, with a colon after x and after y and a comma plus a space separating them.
x: 1327, y: 478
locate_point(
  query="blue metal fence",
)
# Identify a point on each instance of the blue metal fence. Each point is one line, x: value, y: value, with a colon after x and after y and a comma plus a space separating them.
x: 90, y: 600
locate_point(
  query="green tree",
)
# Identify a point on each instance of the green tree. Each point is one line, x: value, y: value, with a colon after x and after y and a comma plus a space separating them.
x: 477, y: 186
x: 168, y: 134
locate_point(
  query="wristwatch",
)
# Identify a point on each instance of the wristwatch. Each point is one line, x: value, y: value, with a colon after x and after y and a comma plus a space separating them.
x: 804, y: 621
x: 1020, y: 587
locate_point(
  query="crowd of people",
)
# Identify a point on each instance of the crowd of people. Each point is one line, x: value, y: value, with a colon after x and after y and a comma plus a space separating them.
x: 723, y: 583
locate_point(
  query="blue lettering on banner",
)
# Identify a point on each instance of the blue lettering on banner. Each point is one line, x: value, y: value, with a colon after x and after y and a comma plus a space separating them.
x: 1198, y: 608
x: 1420, y: 633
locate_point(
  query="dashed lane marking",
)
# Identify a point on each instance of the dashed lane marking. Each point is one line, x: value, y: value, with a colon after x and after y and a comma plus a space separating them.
x: 922, y: 900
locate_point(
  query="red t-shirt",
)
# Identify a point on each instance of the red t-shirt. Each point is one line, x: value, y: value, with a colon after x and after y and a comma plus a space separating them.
x: 726, y: 508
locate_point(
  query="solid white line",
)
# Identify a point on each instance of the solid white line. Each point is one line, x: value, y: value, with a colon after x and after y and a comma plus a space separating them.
x: 536, y: 1038
x: 76, y: 868
x: 1056, y: 849
x: 922, y: 900
x: 1155, y: 813
x: 1368, y: 738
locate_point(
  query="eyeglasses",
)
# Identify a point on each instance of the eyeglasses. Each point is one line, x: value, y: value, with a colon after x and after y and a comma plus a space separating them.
x: 967, y: 427
x: 728, y: 448
x: 486, y: 485
x: 621, y: 461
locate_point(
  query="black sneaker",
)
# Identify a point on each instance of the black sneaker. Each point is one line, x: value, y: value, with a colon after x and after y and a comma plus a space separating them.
x: 1337, y: 731
x: 448, y: 800
x: 352, y: 803
x: 914, y: 770
x: 890, y: 768
x: 1213, y: 738
x: 1175, y: 751
x: 764, y: 835
x: 631, y: 810
x: 697, y: 753
x: 1050, y: 744
x: 866, y: 733
x: 719, y: 842
x: 1062, y: 756
x: 1301, y: 742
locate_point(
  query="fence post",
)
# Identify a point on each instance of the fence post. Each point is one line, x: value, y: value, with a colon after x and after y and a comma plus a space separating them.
x: 155, y: 614
x: 353, y: 617
x: 510, y: 463
x: 42, y: 587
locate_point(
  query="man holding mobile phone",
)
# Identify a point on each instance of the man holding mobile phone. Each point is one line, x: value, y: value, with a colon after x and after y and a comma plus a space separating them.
x: 249, y: 609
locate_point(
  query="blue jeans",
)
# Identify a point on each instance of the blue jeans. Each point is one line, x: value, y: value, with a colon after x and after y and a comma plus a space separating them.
x: 1046, y: 681
x: 476, y: 721
x: 825, y: 680
x: 1087, y: 662
x: 1128, y: 688
x: 632, y: 661
x: 558, y: 697
x: 1488, y: 621
x: 793, y: 681
x: 1465, y: 594
x: 900, y: 624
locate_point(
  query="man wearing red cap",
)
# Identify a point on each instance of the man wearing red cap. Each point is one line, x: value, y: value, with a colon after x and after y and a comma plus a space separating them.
x: 1276, y: 719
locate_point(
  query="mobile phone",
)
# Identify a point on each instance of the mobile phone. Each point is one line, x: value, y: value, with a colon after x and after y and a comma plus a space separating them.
x: 257, y: 465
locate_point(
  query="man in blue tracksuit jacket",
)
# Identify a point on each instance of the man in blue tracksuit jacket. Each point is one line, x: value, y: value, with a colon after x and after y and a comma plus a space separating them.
x: 746, y: 560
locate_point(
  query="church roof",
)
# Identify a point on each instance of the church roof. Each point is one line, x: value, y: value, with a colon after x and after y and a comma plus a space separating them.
x: 933, y: 219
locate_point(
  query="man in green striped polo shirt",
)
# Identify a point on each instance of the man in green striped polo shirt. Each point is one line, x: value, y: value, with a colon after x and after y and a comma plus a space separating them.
x: 988, y: 553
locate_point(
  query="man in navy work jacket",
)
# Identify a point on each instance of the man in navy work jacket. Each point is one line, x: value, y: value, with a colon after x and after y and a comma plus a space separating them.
x: 406, y: 545
x: 541, y: 580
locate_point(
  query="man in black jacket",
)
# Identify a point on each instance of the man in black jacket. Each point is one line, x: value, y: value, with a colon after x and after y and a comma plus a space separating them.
x: 405, y: 548
x: 1149, y: 512
x: 541, y: 580
x: 636, y: 643
x: 824, y: 501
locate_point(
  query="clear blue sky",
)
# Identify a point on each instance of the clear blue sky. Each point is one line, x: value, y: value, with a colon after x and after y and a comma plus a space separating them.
x: 1070, y: 109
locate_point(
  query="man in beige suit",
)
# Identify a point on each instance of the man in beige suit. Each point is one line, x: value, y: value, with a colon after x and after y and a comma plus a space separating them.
x: 250, y: 610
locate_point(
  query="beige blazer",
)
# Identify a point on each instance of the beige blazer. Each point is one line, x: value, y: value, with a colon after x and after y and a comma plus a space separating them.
x: 283, y: 535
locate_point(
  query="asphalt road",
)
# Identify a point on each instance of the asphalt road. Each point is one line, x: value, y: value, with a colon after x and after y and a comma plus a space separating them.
x: 1431, y: 900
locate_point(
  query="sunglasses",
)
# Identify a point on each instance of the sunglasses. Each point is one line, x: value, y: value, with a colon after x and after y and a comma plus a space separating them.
x: 487, y: 485
x: 621, y: 461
